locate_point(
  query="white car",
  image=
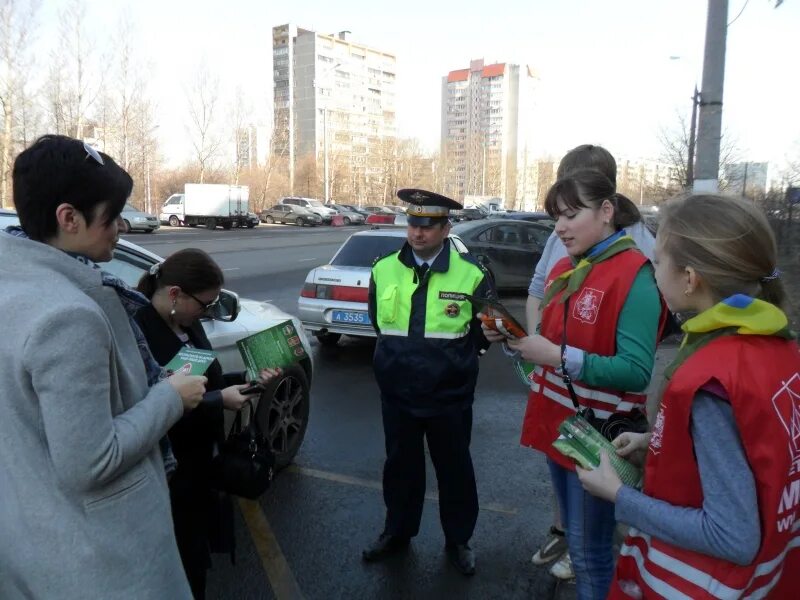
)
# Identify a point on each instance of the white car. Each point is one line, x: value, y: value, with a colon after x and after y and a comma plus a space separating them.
x: 315, y: 206
x: 282, y: 411
x: 333, y: 300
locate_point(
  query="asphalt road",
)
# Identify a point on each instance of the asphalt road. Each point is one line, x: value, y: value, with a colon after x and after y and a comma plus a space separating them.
x: 303, y: 539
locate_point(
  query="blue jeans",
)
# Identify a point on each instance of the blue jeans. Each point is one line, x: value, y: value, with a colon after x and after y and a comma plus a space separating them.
x: 589, y: 524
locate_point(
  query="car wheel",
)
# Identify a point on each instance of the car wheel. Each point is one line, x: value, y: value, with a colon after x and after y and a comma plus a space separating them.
x: 227, y: 225
x: 251, y: 225
x: 300, y: 221
x: 127, y: 226
x: 269, y: 220
x: 174, y: 221
x: 282, y: 413
x: 346, y: 221
x: 328, y: 339
x: 211, y: 223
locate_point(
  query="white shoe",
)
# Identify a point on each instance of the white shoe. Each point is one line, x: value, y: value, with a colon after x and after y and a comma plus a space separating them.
x: 562, y: 568
x: 552, y: 548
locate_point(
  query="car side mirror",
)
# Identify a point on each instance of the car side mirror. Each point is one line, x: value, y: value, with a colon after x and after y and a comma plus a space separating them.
x: 227, y: 308
x: 483, y: 259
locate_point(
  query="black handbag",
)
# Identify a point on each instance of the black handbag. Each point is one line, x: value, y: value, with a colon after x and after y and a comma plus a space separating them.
x: 245, y: 463
x: 618, y: 423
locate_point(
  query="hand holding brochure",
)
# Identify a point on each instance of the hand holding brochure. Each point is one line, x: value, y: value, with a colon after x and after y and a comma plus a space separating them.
x: 190, y: 361
x: 278, y: 346
x: 583, y: 443
x: 498, y: 317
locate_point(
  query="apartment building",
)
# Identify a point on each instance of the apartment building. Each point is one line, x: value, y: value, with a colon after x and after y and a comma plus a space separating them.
x: 747, y: 178
x: 333, y: 97
x: 481, y: 136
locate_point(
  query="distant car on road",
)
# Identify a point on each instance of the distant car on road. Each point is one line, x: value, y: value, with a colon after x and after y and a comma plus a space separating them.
x: 333, y: 300
x: 469, y: 214
x: 137, y: 220
x: 509, y: 249
x: 250, y: 221
x: 290, y: 215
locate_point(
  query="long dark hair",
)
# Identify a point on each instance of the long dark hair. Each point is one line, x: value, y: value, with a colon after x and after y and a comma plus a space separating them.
x: 589, y: 188
x: 191, y: 269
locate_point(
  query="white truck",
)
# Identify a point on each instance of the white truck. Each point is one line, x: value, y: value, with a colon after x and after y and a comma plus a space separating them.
x: 208, y: 204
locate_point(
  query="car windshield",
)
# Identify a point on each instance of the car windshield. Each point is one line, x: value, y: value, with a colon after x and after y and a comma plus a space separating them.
x: 129, y: 208
x: 315, y: 203
x: 362, y: 250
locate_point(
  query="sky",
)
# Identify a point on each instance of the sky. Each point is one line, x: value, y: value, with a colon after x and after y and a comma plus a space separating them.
x: 611, y: 72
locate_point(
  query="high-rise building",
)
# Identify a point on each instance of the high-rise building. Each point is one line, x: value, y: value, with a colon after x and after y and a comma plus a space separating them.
x: 333, y: 97
x: 481, y: 136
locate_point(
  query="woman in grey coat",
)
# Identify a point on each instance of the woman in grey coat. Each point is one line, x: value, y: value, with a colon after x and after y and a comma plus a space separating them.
x: 84, y: 506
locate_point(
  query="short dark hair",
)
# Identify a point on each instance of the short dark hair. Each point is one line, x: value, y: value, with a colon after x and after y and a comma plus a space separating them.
x: 588, y: 188
x: 588, y: 156
x: 191, y: 269
x: 57, y: 169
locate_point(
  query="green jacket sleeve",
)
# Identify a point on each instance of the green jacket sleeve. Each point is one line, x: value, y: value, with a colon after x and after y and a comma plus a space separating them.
x: 631, y: 367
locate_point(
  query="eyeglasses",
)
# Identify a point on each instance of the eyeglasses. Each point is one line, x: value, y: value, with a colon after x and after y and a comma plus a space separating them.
x: 206, y: 305
x: 91, y: 152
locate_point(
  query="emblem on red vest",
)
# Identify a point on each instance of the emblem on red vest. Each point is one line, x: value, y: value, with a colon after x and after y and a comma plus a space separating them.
x: 787, y: 404
x: 587, y: 306
x: 658, y: 431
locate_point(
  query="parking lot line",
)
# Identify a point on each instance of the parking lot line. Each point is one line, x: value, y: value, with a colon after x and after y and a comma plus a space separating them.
x: 281, y: 578
x: 377, y: 485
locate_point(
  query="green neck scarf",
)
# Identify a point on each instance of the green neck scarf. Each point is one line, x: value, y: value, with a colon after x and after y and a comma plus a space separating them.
x: 573, y: 279
x: 737, y: 315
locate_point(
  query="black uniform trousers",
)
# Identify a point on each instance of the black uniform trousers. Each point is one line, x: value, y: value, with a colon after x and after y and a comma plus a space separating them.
x: 448, y: 437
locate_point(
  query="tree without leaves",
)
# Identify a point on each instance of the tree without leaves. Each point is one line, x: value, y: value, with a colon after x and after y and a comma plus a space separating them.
x: 17, y: 23
x: 202, y: 97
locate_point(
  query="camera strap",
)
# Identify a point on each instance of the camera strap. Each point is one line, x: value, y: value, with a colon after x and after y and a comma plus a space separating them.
x: 584, y: 411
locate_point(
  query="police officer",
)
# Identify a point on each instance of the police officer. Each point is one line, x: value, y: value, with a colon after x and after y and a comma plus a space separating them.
x: 426, y: 365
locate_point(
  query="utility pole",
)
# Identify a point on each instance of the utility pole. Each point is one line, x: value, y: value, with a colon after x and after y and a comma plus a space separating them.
x: 692, y: 140
x: 709, y: 130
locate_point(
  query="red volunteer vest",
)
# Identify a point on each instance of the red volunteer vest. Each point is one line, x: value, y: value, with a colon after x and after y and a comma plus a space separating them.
x: 591, y: 326
x: 761, y: 376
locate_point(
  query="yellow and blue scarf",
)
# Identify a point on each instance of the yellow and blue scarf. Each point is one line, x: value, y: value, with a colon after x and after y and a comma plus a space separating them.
x: 737, y: 315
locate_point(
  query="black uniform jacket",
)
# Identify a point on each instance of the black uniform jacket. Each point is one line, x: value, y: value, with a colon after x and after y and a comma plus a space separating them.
x: 428, y: 377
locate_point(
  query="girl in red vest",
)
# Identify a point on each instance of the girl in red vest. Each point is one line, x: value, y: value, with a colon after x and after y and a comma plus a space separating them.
x: 718, y: 515
x: 600, y: 322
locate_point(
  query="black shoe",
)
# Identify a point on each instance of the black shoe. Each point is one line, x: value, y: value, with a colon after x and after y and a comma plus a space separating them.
x: 462, y: 557
x: 385, y: 545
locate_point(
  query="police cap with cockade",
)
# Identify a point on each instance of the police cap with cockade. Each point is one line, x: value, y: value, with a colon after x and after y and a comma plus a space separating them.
x: 426, y: 208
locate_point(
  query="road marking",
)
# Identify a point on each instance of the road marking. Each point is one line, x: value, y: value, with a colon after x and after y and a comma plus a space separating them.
x: 281, y: 578
x: 232, y: 269
x: 377, y: 485
x: 306, y: 259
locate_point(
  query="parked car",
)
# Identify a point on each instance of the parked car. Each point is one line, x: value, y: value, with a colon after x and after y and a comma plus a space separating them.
x: 315, y: 206
x: 349, y: 216
x: 350, y: 207
x: 469, y: 214
x: 333, y: 300
x: 508, y: 248
x: 399, y: 220
x: 533, y: 217
x: 282, y: 409
x: 137, y: 220
x: 291, y: 215
x: 250, y: 221
x: 379, y: 210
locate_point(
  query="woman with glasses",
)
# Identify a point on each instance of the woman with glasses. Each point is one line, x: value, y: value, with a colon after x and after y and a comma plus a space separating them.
x: 182, y: 290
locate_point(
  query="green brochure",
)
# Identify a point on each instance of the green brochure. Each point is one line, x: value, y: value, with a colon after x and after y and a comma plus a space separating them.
x: 278, y: 346
x: 583, y: 443
x: 524, y: 371
x: 191, y: 361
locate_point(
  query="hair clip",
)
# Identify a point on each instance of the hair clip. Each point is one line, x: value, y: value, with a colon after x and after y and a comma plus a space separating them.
x: 772, y: 276
x: 91, y: 152
x: 155, y: 270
